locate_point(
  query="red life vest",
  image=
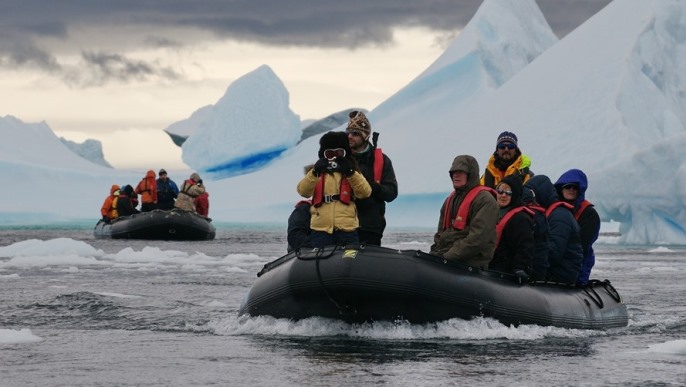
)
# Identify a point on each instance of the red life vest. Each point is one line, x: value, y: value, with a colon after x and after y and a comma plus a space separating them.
x: 584, y: 204
x: 503, y: 221
x: 558, y: 204
x: 378, y: 164
x: 460, y: 221
x: 344, y: 192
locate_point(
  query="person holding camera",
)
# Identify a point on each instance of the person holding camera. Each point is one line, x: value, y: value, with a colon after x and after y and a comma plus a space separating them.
x: 190, y: 189
x: 333, y: 184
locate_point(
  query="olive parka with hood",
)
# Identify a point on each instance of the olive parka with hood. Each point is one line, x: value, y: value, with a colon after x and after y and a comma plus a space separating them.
x: 588, y: 220
x: 474, y: 245
x: 565, y: 253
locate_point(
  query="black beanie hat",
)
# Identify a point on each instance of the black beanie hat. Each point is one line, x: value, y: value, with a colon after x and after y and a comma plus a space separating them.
x: 507, y: 137
x: 333, y: 140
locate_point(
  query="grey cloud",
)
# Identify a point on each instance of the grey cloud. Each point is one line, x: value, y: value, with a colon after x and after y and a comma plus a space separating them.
x: 166, y: 23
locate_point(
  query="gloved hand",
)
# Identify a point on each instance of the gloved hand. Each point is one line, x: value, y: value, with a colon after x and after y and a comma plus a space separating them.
x: 521, y: 276
x: 105, y: 219
x: 320, y: 166
x: 344, y: 166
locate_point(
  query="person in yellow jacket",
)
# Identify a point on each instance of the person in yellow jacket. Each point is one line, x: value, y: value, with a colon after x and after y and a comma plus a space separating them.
x: 505, y: 161
x: 333, y: 184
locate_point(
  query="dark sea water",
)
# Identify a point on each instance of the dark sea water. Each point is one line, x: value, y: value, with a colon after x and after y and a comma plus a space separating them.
x: 152, y: 313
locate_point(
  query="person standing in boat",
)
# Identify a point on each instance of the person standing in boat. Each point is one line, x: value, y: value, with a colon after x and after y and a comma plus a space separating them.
x: 377, y: 168
x: 571, y: 188
x: 109, y: 206
x: 466, y: 226
x: 506, y: 160
x: 565, y: 253
x: 125, y: 205
x: 190, y: 189
x: 167, y: 191
x: 147, y: 188
x: 514, y: 250
x: 334, y: 183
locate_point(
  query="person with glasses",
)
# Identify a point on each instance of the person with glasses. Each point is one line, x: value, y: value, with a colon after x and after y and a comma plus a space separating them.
x: 505, y: 161
x: 334, y: 183
x: 377, y: 168
x: 565, y: 253
x: 466, y: 226
x: 515, y: 246
x: 571, y: 188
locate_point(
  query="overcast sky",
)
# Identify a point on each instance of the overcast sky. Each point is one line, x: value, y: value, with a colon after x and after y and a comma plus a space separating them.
x: 116, y: 68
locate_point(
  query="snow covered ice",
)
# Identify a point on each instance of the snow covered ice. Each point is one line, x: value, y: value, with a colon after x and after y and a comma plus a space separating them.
x: 248, y: 127
x: 609, y: 98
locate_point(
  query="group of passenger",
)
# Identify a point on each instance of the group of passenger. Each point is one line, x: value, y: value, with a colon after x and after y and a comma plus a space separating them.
x: 507, y: 219
x: 156, y: 193
x: 517, y: 222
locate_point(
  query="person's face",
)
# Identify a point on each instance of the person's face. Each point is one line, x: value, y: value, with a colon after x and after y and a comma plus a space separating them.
x: 506, y: 150
x: 504, y: 194
x: 163, y: 176
x: 570, y: 192
x: 459, y: 179
x: 356, y: 140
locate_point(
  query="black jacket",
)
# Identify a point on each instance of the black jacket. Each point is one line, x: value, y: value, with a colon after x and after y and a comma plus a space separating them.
x: 372, y: 211
x: 299, y: 227
x: 565, y: 253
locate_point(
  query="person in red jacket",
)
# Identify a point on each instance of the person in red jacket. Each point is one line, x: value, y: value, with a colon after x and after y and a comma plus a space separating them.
x: 147, y: 188
x: 109, y: 206
x: 202, y: 202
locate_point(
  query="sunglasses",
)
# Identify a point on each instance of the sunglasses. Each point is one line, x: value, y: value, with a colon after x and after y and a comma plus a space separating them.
x: 331, y: 154
x: 355, y: 133
x: 506, y: 146
x: 503, y: 192
x: 571, y: 186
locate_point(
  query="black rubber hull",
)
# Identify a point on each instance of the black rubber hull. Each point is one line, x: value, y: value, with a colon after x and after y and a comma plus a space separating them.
x: 158, y: 225
x: 375, y: 284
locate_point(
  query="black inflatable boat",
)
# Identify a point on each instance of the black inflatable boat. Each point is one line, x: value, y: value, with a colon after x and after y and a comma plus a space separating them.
x: 175, y: 224
x: 370, y: 283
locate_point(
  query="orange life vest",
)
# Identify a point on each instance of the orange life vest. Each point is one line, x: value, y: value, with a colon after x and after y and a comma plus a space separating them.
x: 584, y: 204
x: 503, y: 222
x: 558, y: 204
x: 460, y: 221
x: 378, y: 164
x: 344, y: 192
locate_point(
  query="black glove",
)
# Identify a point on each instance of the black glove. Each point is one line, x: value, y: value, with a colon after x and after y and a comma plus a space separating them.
x: 344, y: 166
x: 320, y: 166
x: 521, y: 276
x: 105, y: 219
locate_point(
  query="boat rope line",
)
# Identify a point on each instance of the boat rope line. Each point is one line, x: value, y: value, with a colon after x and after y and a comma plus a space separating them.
x: 608, y: 288
x: 343, y: 310
x: 595, y: 296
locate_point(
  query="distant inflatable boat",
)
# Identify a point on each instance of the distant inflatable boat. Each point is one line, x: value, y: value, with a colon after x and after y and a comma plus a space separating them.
x: 371, y: 283
x: 178, y: 225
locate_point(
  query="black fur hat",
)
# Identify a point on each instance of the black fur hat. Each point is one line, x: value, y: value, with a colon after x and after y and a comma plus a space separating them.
x: 333, y: 140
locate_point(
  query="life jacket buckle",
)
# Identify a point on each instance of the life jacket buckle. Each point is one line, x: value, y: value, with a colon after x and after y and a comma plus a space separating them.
x: 331, y: 198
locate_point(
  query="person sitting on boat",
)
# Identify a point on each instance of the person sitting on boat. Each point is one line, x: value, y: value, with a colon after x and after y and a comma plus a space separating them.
x: 167, y: 191
x: 565, y: 253
x: 202, y: 202
x: 109, y: 206
x: 125, y: 206
x: 190, y: 189
x: 299, y: 231
x: 571, y: 187
x: 506, y: 160
x: 333, y: 184
x: 468, y: 217
x: 147, y: 188
x: 514, y: 250
x: 539, y: 268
